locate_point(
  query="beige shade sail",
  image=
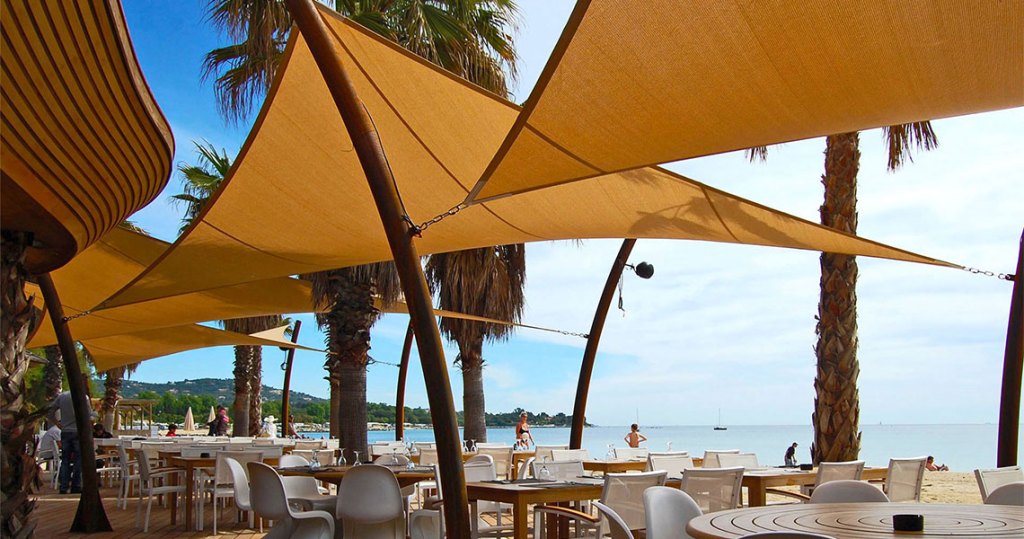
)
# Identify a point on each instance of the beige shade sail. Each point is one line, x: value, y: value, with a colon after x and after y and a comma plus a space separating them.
x: 118, y: 350
x: 296, y: 200
x: 83, y: 144
x: 631, y: 86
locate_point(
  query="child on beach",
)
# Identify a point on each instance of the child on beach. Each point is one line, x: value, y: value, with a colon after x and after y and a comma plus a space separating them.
x: 930, y: 465
x: 634, y: 437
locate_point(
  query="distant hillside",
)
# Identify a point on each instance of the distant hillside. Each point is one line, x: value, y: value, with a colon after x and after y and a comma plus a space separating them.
x: 223, y: 389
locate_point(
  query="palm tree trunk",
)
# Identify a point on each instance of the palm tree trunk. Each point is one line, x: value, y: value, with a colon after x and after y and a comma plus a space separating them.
x: 240, y: 408
x: 255, y: 390
x: 335, y: 426
x: 53, y: 374
x: 19, y: 473
x: 473, y: 408
x: 352, y: 398
x: 837, y: 406
x: 112, y: 383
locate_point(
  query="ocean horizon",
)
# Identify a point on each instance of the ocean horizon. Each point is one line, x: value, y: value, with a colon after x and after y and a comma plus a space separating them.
x: 962, y: 447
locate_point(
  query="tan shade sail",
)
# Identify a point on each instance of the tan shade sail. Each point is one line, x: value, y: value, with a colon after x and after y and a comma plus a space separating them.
x: 297, y: 201
x: 82, y: 144
x: 631, y: 86
x: 118, y: 350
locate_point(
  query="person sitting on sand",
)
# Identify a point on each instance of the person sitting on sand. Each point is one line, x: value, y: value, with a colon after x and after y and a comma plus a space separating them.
x: 634, y: 437
x: 930, y: 465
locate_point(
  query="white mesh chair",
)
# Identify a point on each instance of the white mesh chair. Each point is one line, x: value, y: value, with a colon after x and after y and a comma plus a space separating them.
x: 622, y: 492
x: 904, y: 478
x: 732, y: 460
x: 502, y: 459
x: 672, y: 463
x: 617, y: 528
x: 270, y: 502
x: 847, y: 491
x: 428, y: 457
x: 567, y: 470
x: 150, y: 486
x: 478, y: 459
x: 827, y: 471
x: 492, y: 445
x: 129, y: 476
x: 711, y: 457
x: 308, y: 445
x: 1008, y: 494
x: 271, y: 451
x: 54, y: 464
x: 543, y: 452
x: 243, y: 496
x: 477, y: 472
x: 569, y: 454
x: 631, y: 453
x: 989, y: 480
x: 667, y: 511
x: 370, y: 504
x: 714, y: 489
x: 218, y: 483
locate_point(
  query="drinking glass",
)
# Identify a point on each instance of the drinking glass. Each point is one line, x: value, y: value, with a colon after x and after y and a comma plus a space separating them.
x: 472, y: 445
x: 669, y: 444
x: 315, y: 463
x: 611, y: 452
x: 356, y: 462
x: 544, y: 474
x: 341, y: 457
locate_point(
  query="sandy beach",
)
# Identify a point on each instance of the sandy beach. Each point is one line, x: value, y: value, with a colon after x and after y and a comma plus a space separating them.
x: 950, y: 487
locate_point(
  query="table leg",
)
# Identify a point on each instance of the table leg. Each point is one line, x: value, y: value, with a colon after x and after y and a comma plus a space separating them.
x: 520, y: 527
x: 173, y: 500
x: 756, y: 495
x: 189, y: 493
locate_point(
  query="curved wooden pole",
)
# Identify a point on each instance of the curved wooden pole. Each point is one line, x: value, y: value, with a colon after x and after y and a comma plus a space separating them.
x: 400, y: 238
x: 579, y: 410
x: 403, y: 370
x: 90, y: 517
x: 1013, y: 367
x: 286, y: 392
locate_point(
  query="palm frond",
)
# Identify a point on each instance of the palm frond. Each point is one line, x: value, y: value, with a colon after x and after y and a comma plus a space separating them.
x: 757, y: 153
x: 901, y: 138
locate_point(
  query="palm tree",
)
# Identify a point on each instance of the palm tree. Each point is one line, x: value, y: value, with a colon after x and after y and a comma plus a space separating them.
x: 113, y: 380
x: 53, y: 372
x: 837, y: 403
x: 200, y: 182
x: 485, y: 282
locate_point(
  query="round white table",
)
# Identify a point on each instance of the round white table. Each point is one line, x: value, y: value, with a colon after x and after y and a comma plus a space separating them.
x: 863, y: 520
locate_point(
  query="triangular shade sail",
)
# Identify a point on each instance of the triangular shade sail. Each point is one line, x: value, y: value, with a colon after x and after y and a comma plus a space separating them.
x: 630, y: 86
x: 83, y: 143
x: 297, y: 201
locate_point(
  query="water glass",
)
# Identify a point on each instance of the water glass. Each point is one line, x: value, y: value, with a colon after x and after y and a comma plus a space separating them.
x: 544, y: 474
x: 611, y: 452
x: 356, y: 462
x: 315, y: 463
x: 341, y: 457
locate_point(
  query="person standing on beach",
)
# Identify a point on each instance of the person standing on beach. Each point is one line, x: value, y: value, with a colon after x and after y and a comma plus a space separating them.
x: 219, y: 425
x: 523, y: 436
x: 791, y: 455
x: 634, y: 437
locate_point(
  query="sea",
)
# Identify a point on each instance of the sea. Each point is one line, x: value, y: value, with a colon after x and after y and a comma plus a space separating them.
x: 961, y: 447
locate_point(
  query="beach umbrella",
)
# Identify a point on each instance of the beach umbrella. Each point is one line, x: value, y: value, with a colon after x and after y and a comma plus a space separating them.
x: 213, y: 415
x: 190, y: 423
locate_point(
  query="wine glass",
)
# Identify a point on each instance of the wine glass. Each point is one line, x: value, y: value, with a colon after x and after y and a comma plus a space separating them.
x: 611, y: 452
x: 669, y: 444
x: 341, y: 457
x: 544, y: 474
x: 315, y: 463
x: 356, y: 462
x: 472, y: 445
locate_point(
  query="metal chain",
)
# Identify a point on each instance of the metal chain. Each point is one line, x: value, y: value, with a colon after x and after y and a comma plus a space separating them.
x: 74, y: 316
x: 987, y: 273
x: 371, y: 361
x: 418, y: 230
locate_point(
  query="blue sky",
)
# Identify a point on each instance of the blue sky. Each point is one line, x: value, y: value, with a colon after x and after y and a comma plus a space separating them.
x: 719, y: 326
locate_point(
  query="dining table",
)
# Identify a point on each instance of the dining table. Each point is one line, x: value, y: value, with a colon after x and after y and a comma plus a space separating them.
x: 189, y: 465
x: 521, y: 493
x: 335, y: 474
x: 759, y: 480
x: 863, y: 520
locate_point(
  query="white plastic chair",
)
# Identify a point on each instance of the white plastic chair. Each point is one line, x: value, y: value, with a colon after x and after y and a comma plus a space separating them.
x: 148, y: 487
x: 672, y: 463
x: 904, y: 478
x: 711, y: 457
x: 426, y: 524
x: 569, y: 454
x: 289, y: 460
x: 502, y: 459
x: 324, y: 456
x: 989, y: 480
x: 543, y: 452
x: 243, y: 497
x: 129, y: 476
x: 732, y: 460
x: 54, y: 464
x: 217, y: 483
x: 398, y: 459
x: 428, y: 457
x: 483, y: 470
x: 631, y: 453
x: 714, y: 489
x: 847, y: 491
x: 370, y: 504
x: 477, y: 459
x: 1008, y: 494
x: 622, y: 492
x: 526, y: 468
x: 617, y: 528
x: 667, y: 511
x: 270, y: 502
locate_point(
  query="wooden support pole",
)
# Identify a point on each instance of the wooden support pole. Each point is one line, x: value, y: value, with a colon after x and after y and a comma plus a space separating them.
x: 579, y: 410
x: 286, y: 391
x: 400, y: 238
x: 90, y: 516
x: 403, y: 370
x: 1013, y: 367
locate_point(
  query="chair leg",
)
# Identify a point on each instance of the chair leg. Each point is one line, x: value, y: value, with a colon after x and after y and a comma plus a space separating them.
x: 149, y: 508
x: 215, y: 509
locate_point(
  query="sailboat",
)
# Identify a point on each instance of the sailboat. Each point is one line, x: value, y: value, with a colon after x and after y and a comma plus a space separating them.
x: 720, y: 426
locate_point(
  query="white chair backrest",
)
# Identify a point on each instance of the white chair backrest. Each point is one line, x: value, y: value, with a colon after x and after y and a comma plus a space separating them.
x: 667, y: 511
x: 502, y: 458
x: 1008, y: 494
x: 289, y: 460
x: 122, y: 457
x: 269, y: 450
x: 180, y: 439
x: 847, y: 491
x: 239, y: 446
x: 714, y: 489
x: 392, y: 459
x: 425, y: 524
x: 624, y: 493
x: 428, y: 456
x: 563, y: 470
x: 479, y: 471
x: 543, y: 452
x: 152, y: 449
x: 617, y: 528
x: 196, y: 451
x: 331, y: 443
x: 525, y: 468
x: 989, y: 480
x: 631, y: 453
x: 904, y: 478
x: 424, y: 445
x: 240, y: 482
x: 672, y: 463
x: 492, y: 445
x: 732, y: 460
x: 221, y: 472
x: 835, y: 471
x: 370, y: 494
x: 711, y: 457
x: 480, y: 458
x: 261, y: 442
x: 569, y: 454
x: 324, y: 456
x: 308, y: 444
x: 267, y: 490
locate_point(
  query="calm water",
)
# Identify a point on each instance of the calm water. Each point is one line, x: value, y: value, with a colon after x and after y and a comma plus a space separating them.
x: 962, y: 447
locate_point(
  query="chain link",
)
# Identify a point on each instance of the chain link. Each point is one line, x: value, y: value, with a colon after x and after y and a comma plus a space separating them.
x: 74, y: 316
x: 371, y: 361
x: 418, y: 230
x: 987, y: 273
